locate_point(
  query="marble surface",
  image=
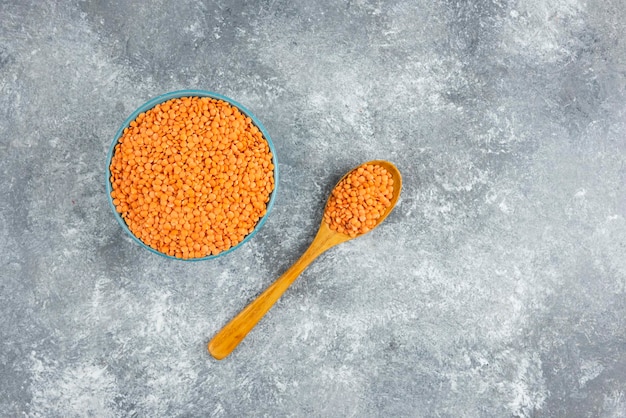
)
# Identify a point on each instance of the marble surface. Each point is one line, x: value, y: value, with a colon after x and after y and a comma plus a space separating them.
x: 496, y: 288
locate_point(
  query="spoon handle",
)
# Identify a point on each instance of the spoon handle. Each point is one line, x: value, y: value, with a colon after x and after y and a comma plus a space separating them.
x: 225, y: 341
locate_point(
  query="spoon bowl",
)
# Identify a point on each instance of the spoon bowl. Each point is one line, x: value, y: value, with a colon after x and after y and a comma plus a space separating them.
x: 225, y: 341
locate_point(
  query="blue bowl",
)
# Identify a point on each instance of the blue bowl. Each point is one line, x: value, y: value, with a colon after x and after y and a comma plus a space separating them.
x: 174, y: 95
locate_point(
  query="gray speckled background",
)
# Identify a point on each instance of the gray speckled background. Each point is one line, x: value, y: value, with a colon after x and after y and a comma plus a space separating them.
x: 496, y: 288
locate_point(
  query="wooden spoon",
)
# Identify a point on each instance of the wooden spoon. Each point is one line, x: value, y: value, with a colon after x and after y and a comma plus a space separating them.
x: 225, y: 341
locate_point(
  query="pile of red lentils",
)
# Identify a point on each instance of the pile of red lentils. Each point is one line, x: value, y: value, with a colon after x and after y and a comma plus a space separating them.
x: 359, y: 200
x: 192, y: 177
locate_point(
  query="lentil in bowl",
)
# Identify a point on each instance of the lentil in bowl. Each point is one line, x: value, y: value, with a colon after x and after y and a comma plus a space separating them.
x: 191, y: 175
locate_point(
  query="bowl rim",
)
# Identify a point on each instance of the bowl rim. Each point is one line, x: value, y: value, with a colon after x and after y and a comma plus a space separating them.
x: 175, y: 95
